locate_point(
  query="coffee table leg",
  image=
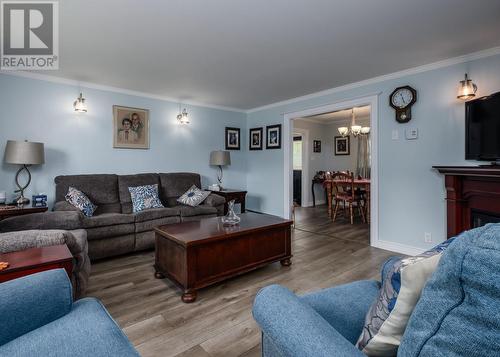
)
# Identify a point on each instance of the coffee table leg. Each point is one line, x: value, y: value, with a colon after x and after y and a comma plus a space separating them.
x: 189, y: 296
x: 286, y: 262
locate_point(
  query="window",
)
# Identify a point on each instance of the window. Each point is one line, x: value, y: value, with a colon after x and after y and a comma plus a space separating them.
x: 297, y: 153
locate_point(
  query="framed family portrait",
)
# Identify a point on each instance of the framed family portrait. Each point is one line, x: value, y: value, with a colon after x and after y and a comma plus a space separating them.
x: 342, y: 145
x: 316, y: 145
x: 130, y: 128
x: 232, y: 138
x: 255, y: 139
x: 273, y: 136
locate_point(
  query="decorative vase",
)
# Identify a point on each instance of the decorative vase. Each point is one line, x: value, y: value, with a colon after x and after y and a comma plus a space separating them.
x: 231, y: 218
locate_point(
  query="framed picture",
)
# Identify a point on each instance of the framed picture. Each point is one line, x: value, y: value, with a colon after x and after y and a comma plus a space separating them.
x: 232, y: 138
x: 342, y: 145
x: 255, y: 139
x: 273, y: 136
x: 130, y: 128
x: 316, y: 145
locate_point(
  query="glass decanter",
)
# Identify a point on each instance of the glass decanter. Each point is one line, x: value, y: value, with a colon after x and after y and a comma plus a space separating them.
x: 231, y: 218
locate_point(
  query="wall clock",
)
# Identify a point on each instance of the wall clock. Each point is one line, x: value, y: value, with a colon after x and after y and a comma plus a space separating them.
x: 402, y: 100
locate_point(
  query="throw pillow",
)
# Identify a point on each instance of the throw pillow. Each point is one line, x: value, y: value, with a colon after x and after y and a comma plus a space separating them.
x: 193, y: 197
x: 80, y: 200
x: 402, y: 285
x: 144, y: 197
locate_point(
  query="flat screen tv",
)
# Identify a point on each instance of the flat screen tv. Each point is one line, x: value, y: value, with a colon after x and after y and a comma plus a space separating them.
x: 482, y: 128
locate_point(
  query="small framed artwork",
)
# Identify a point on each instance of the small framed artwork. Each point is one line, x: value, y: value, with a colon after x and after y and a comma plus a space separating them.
x: 232, y: 138
x: 273, y: 136
x: 255, y: 139
x: 342, y: 145
x: 130, y: 128
x: 316, y: 145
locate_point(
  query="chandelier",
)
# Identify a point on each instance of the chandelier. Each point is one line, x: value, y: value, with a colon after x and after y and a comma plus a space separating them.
x: 354, y: 129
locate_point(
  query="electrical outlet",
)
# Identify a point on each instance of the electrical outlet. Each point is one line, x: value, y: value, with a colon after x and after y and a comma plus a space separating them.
x: 395, y: 134
x: 428, y: 237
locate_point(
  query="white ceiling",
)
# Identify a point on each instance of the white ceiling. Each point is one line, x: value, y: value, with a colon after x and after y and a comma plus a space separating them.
x: 249, y: 53
x: 361, y: 114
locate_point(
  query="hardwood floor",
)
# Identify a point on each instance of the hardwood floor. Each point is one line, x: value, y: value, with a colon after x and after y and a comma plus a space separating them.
x: 220, y: 322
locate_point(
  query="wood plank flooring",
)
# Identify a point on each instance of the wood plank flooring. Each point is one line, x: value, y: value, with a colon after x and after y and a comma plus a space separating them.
x: 220, y: 322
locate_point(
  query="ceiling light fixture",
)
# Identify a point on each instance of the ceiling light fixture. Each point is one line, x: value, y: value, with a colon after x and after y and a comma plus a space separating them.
x: 355, y: 130
x: 466, y: 89
x: 79, y: 104
x: 182, y: 117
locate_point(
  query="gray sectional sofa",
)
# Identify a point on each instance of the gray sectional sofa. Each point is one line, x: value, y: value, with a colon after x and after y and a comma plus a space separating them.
x: 114, y: 229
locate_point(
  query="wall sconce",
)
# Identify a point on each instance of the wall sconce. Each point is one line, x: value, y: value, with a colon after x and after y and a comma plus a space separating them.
x: 79, y: 104
x: 466, y: 89
x: 182, y: 117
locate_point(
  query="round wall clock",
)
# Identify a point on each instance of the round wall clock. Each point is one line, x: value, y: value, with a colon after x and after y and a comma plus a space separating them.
x: 401, y: 100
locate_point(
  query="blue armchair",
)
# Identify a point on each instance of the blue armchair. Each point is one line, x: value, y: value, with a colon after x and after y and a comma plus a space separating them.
x: 39, y: 318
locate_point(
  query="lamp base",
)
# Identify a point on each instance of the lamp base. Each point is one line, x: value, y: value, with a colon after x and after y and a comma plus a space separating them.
x: 22, y: 201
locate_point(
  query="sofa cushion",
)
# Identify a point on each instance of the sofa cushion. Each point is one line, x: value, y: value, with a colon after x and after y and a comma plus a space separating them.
x: 47, y: 220
x: 107, y: 219
x: 145, y: 197
x: 188, y: 211
x: 173, y: 185
x: 458, y: 312
x: 110, y: 231
x: 156, y: 213
x: 101, y: 189
x: 215, y: 200
x: 149, y: 225
x: 193, y: 197
x: 386, y: 319
x: 111, y: 246
x: 126, y: 181
x: 87, y: 330
x: 78, y: 199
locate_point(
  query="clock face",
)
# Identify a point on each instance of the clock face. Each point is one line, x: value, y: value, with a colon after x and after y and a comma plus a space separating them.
x: 402, y: 97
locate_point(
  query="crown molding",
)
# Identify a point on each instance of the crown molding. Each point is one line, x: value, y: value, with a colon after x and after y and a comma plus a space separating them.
x: 90, y: 85
x: 407, y: 72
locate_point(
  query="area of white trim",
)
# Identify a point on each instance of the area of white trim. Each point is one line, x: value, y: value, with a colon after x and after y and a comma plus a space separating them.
x: 371, y: 100
x: 398, y: 247
x: 305, y: 163
x: 407, y: 72
x: 90, y: 85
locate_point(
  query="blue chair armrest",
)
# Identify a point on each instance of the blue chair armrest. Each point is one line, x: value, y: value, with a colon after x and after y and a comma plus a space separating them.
x: 33, y: 301
x: 295, y: 328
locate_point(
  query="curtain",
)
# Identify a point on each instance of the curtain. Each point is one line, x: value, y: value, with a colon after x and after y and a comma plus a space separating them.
x: 364, y: 156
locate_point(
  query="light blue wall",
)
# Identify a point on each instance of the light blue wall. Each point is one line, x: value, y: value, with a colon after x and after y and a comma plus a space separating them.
x: 82, y: 143
x: 411, y: 192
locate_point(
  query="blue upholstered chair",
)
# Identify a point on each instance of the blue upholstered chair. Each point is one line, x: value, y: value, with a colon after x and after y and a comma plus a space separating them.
x: 39, y: 318
x: 458, y: 313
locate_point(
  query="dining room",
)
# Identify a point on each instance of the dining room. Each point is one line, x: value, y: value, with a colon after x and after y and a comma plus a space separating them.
x: 331, y: 173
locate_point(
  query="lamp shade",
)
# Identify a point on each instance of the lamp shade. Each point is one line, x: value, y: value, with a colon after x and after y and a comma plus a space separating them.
x: 24, y: 153
x: 220, y: 158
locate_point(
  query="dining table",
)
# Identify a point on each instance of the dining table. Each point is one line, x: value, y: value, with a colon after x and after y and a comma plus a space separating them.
x: 361, y: 183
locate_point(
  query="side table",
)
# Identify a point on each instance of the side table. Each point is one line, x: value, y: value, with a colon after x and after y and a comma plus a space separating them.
x: 19, y: 211
x: 236, y: 195
x: 35, y: 260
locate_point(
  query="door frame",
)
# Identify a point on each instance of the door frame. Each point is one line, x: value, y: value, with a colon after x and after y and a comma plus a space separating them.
x: 305, y: 166
x: 372, y: 101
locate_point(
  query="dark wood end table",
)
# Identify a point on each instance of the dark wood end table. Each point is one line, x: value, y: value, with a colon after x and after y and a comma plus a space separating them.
x: 237, y: 196
x: 19, y: 210
x: 35, y: 260
x: 201, y: 253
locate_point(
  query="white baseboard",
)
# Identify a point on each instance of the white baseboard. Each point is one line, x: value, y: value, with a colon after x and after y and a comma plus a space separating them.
x: 398, y: 247
x: 318, y: 202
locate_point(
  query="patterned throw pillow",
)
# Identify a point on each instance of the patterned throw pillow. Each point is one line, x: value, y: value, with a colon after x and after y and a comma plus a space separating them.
x: 80, y: 200
x: 193, y: 197
x: 402, y: 285
x: 144, y: 197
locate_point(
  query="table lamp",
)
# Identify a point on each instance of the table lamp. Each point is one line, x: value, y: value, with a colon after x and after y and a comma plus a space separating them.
x: 220, y: 158
x: 24, y: 153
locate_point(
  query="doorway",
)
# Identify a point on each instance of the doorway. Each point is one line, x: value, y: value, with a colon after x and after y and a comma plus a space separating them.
x: 289, y: 130
x: 297, y: 169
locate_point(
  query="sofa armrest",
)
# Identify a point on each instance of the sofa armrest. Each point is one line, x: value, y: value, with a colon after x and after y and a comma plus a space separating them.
x: 65, y: 206
x: 33, y: 301
x: 295, y: 328
x: 214, y: 200
x: 67, y: 220
x: 22, y: 240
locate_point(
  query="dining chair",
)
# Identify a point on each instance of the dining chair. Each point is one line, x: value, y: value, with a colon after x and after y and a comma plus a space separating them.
x: 345, y: 193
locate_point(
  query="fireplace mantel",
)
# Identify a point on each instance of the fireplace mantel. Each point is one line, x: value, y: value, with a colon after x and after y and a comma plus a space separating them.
x: 470, y: 189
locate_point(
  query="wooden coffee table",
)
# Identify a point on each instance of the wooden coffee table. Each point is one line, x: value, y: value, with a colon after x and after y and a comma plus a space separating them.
x: 201, y: 253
